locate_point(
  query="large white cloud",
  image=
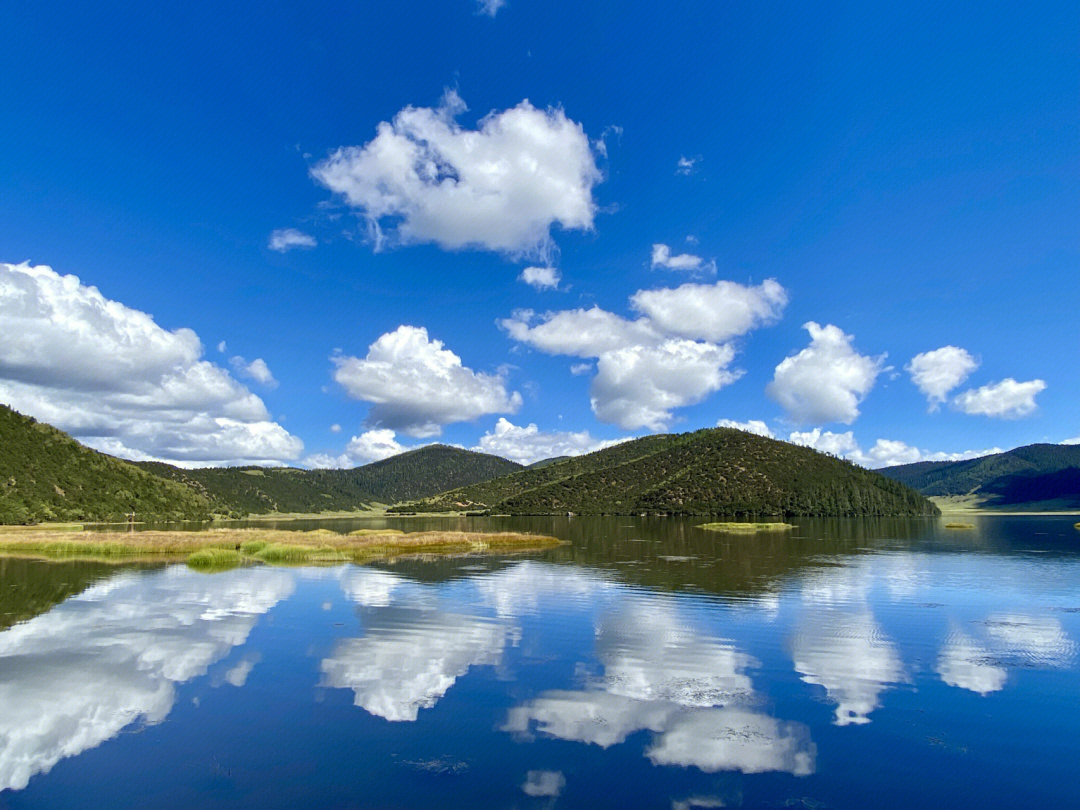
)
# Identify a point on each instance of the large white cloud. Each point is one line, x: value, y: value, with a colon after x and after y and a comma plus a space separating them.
x: 416, y: 386
x: 1007, y: 399
x: 500, y: 187
x: 884, y: 453
x: 113, y: 378
x: 76, y: 676
x: 675, y: 354
x: 938, y: 372
x: 369, y: 446
x: 826, y: 381
x: 713, y: 312
x: 755, y: 426
x: 529, y: 444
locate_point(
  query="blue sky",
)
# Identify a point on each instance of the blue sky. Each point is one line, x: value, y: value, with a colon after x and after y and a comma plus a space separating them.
x: 907, y: 176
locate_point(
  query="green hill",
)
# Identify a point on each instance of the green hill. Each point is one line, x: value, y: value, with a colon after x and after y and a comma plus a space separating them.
x: 1027, y: 475
x: 415, y: 474
x: 715, y: 471
x: 45, y: 475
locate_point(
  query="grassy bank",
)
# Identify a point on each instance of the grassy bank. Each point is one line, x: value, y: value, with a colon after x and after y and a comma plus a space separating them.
x: 746, y: 528
x: 219, y: 548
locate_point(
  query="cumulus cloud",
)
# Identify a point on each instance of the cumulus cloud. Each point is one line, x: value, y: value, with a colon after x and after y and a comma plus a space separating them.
x: 117, y: 381
x: 542, y: 278
x: 369, y: 446
x: 713, y: 312
x: 662, y: 258
x: 826, y: 381
x: 674, y: 354
x: 884, y: 453
x: 255, y: 370
x: 529, y: 444
x: 543, y: 783
x: 938, y: 372
x: 1007, y: 399
x: 424, y: 178
x: 755, y: 426
x: 687, y: 165
x: 285, y: 239
x: 415, y: 386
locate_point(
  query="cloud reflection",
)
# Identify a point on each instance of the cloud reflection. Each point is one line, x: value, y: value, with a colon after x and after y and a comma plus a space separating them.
x: 73, y: 678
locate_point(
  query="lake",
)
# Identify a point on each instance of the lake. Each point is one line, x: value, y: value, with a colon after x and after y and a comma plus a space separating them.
x: 850, y: 664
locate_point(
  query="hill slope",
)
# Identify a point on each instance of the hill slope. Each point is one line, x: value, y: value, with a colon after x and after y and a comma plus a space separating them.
x: 47, y: 475
x: 715, y: 471
x: 1037, y: 472
x: 415, y: 474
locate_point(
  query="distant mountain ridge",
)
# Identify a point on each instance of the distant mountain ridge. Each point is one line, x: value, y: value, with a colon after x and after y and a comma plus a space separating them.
x: 414, y: 474
x: 713, y: 471
x: 1036, y: 473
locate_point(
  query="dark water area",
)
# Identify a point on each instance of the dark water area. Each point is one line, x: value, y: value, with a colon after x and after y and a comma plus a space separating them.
x: 873, y: 663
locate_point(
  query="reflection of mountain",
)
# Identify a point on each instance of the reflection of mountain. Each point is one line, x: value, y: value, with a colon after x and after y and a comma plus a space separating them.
x: 28, y: 588
x: 74, y: 677
x: 690, y: 690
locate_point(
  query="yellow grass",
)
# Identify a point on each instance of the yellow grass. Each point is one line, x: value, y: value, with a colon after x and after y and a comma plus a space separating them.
x: 746, y: 528
x: 959, y: 525
x: 218, y: 547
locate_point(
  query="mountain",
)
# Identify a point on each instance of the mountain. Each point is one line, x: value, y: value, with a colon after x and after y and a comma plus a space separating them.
x: 45, y: 475
x: 415, y: 474
x: 1037, y: 473
x: 714, y: 471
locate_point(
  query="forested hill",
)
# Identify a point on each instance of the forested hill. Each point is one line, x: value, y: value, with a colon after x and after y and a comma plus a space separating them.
x: 1035, y: 473
x: 715, y: 471
x: 415, y: 474
x: 45, y: 475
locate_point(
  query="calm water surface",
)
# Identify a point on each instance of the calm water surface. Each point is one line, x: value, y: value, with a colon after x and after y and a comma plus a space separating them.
x: 886, y: 664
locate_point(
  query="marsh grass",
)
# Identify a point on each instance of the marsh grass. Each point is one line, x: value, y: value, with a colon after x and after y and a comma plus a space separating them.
x: 1076, y: 526
x: 374, y: 532
x: 228, y: 547
x: 959, y: 525
x: 746, y: 528
x: 215, y: 558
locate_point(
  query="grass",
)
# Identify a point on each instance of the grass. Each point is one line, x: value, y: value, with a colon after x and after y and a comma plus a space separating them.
x: 1076, y: 526
x: 746, y: 528
x: 959, y: 525
x: 217, y: 548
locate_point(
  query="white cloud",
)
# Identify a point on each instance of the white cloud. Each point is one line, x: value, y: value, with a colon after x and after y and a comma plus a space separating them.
x: 938, y: 372
x: 581, y: 369
x: 686, y: 165
x: 755, y: 426
x: 117, y: 381
x: 500, y: 187
x: 489, y: 7
x: 527, y: 445
x: 285, y: 239
x: 416, y: 386
x: 544, y: 783
x: 884, y: 453
x: 1007, y: 399
x: 335, y: 428
x: 1072, y: 441
x: 713, y: 312
x: 826, y: 381
x: 639, y: 386
x: 255, y: 370
x: 671, y: 356
x: 221, y: 347
x: 542, y: 278
x: 369, y: 446
x: 661, y: 257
